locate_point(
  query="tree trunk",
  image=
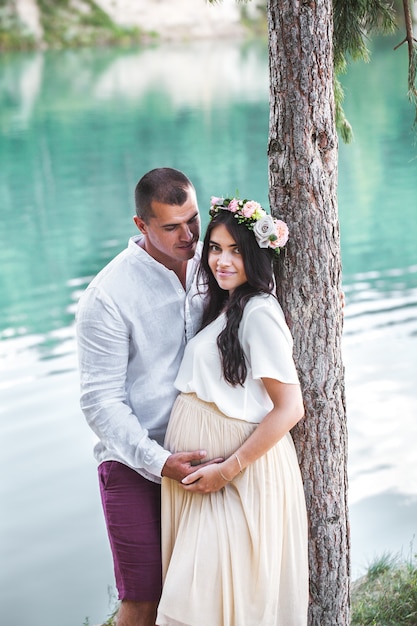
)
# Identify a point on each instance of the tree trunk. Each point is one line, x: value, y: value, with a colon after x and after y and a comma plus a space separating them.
x: 302, y: 154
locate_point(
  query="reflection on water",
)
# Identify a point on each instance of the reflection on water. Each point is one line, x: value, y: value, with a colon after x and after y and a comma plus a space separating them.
x: 67, y: 193
x: 77, y: 129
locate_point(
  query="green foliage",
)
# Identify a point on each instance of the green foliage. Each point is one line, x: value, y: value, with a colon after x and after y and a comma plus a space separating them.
x: 256, y: 23
x: 342, y: 124
x: 381, y: 566
x: 387, y: 595
x: 66, y: 26
x: 12, y: 32
x: 65, y: 23
x: 353, y: 22
x: 112, y: 620
x: 412, y: 72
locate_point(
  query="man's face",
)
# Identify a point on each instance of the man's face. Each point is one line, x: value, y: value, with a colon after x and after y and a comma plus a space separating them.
x: 172, y: 233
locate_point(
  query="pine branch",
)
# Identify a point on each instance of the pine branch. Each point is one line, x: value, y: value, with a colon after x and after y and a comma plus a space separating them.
x: 412, y: 55
x: 353, y: 21
x: 342, y: 124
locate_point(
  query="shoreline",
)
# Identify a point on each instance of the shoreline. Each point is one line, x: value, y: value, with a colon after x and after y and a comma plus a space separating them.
x: 25, y: 25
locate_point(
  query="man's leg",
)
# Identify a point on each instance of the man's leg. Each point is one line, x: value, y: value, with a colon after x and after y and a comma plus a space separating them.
x: 132, y: 509
x: 136, y: 613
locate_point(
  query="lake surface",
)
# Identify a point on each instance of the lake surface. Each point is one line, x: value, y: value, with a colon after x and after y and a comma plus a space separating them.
x: 77, y: 130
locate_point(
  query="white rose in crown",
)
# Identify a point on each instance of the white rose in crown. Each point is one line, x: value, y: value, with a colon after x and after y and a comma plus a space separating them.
x: 263, y: 229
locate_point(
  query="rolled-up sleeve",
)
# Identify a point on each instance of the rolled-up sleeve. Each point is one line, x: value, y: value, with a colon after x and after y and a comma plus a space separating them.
x: 103, y: 337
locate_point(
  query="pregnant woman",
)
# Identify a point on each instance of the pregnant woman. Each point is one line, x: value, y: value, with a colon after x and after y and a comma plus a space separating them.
x: 234, y: 534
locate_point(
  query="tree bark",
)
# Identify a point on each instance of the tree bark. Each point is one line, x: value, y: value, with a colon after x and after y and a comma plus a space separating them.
x: 302, y: 154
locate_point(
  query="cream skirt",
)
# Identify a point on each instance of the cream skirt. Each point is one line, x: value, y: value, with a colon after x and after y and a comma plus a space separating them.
x: 237, y: 557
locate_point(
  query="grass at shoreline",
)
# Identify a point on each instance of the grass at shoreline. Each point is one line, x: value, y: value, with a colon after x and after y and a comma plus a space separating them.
x: 387, y: 594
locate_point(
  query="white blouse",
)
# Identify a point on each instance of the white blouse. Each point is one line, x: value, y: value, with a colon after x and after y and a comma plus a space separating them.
x: 267, y: 344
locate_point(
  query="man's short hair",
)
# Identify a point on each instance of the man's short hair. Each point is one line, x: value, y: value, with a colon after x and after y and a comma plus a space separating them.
x: 163, y: 184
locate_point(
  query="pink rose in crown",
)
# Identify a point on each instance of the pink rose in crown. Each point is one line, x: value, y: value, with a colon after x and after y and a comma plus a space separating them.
x: 216, y: 200
x: 281, y: 232
x: 233, y: 205
x: 250, y: 208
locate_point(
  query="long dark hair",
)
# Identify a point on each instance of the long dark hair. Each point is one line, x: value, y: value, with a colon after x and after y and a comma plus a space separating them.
x: 259, y: 272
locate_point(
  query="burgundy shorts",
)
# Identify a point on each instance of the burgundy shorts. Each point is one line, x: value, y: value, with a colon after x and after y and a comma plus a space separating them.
x: 132, y: 509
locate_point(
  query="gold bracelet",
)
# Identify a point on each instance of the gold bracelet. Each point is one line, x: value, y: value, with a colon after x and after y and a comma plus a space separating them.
x: 224, y: 477
x: 240, y: 464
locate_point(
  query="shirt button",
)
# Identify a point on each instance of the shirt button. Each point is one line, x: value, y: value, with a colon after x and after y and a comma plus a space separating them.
x: 180, y: 291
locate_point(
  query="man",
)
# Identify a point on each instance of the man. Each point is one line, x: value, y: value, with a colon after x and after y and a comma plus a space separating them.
x: 133, y: 322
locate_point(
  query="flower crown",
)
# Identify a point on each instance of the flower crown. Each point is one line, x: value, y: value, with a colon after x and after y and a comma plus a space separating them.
x: 269, y: 232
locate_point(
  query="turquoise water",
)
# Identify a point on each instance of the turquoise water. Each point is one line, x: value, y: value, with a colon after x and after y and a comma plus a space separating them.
x: 77, y: 130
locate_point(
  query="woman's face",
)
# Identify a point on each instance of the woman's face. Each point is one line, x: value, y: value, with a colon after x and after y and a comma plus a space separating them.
x: 225, y: 259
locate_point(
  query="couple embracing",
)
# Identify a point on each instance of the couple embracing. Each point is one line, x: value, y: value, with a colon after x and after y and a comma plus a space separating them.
x: 187, y: 379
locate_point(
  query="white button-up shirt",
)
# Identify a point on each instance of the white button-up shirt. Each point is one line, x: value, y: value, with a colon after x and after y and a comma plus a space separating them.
x: 133, y: 322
